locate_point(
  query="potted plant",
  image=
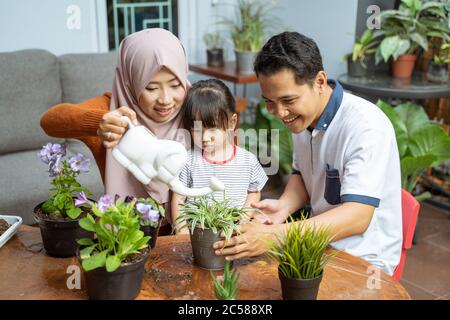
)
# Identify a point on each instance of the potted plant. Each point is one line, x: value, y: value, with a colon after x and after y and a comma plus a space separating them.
x: 214, y: 51
x: 249, y: 30
x: 421, y: 143
x: 113, y: 262
x: 150, y: 214
x: 58, y: 216
x: 226, y: 286
x: 438, y: 67
x: 301, y: 255
x: 408, y: 29
x: 362, y: 60
x: 206, y: 219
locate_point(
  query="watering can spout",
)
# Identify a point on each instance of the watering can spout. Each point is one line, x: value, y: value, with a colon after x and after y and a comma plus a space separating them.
x: 214, y: 185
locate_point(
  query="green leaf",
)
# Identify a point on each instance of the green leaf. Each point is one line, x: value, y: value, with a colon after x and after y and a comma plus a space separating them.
x: 87, y: 223
x: 96, y: 261
x: 112, y: 263
x: 388, y: 46
x: 430, y: 140
x: 412, y: 167
x: 421, y: 40
x: 86, y: 242
x: 401, y: 132
x: 413, y: 116
x: 74, y: 212
x: 85, y: 253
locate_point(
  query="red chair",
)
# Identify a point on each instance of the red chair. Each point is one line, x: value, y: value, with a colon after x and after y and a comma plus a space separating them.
x: 410, y: 211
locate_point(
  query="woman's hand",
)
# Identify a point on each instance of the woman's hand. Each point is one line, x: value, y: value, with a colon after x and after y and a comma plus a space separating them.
x: 253, y: 239
x: 275, y: 211
x: 112, y: 127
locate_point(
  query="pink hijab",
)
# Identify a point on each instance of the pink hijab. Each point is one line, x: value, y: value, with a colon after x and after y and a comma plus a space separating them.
x: 141, y: 56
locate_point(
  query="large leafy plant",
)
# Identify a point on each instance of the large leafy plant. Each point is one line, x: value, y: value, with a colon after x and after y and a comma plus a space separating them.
x: 207, y: 212
x: 300, y: 252
x: 421, y: 143
x: 281, y: 150
x: 117, y: 231
x: 364, y: 46
x: 409, y: 28
x: 226, y: 287
x: 64, y: 184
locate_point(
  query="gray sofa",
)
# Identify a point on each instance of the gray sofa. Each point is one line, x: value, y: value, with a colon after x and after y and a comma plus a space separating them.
x: 31, y: 81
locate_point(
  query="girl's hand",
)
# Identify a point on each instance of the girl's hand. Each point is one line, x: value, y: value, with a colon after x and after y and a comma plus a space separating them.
x: 112, y: 127
x: 274, y: 211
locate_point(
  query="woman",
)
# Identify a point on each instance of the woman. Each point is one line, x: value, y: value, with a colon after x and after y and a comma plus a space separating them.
x: 149, y: 87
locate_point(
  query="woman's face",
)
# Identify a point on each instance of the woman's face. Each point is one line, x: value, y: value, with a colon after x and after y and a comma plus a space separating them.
x: 163, y: 96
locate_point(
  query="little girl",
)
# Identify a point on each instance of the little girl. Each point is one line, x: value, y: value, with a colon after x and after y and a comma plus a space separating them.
x: 209, y: 114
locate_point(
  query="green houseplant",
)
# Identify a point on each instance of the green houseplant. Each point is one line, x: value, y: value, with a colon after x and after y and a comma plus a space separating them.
x: 362, y: 59
x: 249, y: 30
x: 438, y: 67
x: 206, y: 219
x: 226, y: 287
x: 421, y: 143
x: 408, y: 29
x: 214, y: 51
x: 301, y: 256
x: 58, y: 216
x: 113, y: 262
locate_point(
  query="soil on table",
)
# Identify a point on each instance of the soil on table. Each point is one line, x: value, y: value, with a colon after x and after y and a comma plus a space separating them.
x: 3, y: 226
x: 46, y: 216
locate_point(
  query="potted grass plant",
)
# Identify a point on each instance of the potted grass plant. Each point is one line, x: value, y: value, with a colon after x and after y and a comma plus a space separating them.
x: 361, y: 61
x: 301, y: 256
x: 113, y: 262
x: 438, y: 66
x: 226, y: 286
x: 58, y: 216
x: 214, y: 51
x: 208, y: 218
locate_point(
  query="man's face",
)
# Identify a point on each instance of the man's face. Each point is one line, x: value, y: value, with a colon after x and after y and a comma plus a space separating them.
x: 298, y: 106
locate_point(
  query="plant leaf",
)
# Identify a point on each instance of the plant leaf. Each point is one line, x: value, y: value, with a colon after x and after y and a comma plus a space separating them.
x: 112, y: 263
x: 96, y: 261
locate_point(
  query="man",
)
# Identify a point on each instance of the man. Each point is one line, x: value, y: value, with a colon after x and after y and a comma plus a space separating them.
x: 346, y: 162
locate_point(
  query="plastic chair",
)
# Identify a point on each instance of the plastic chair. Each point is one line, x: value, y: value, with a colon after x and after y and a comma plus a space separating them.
x: 410, y: 211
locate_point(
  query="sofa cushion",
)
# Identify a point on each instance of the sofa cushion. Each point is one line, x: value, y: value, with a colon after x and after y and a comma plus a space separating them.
x: 26, y: 181
x: 86, y: 75
x: 29, y: 85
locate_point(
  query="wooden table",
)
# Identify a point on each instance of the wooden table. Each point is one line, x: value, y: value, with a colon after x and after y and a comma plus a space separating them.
x: 27, y: 273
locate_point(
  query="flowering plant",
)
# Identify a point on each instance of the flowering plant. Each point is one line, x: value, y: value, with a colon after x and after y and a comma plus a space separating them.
x: 64, y: 184
x: 118, y: 233
x: 149, y: 210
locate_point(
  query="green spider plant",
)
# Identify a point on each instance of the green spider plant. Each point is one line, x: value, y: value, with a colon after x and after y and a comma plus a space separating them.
x: 226, y: 288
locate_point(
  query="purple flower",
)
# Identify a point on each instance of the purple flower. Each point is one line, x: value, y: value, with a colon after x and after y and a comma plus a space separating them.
x: 147, y: 213
x: 81, y: 199
x: 54, y: 166
x: 79, y: 163
x: 105, y: 202
x: 50, y: 152
x: 129, y: 198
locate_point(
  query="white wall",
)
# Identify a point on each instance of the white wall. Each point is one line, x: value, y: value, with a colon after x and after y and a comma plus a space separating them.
x: 42, y: 24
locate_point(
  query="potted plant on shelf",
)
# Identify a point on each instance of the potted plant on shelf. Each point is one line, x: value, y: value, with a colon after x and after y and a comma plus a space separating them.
x: 362, y: 59
x: 58, y: 216
x: 438, y: 67
x: 421, y: 143
x: 249, y: 30
x: 226, y: 286
x: 206, y: 219
x: 150, y: 214
x: 406, y: 30
x: 214, y: 51
x: 301, y: 255
x: 113, y: 262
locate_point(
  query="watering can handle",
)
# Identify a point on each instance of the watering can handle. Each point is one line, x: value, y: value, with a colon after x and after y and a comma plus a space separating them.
x: 130, y: 124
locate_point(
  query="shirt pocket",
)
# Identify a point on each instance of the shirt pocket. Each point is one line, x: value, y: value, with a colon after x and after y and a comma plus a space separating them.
x: 332, y: 186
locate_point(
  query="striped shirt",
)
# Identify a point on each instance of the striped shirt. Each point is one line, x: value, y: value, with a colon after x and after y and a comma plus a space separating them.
x: 240, y: 175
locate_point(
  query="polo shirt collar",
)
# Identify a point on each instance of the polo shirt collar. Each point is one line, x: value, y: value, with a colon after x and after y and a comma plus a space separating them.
x: 332, y: 107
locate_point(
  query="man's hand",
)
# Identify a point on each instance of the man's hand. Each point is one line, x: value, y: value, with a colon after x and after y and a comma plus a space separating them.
x: 112, y: 127
x: 274, y: 211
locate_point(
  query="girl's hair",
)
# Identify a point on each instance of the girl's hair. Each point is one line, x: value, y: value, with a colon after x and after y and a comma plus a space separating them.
x: 209, y: 101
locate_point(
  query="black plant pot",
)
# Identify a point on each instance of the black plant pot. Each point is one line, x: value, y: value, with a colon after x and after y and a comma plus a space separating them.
x: 202, y: 241
x: 152, y: 232
x: 437, y: 72
x: 299, y: 289
x: 215, y: 57
x: 60, y: 237
x: 123, y: 284
x: 362, y: 67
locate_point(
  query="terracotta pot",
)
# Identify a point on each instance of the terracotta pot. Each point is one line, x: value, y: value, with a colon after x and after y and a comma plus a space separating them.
x: 403, y: 67
x: 299, y: 289
x: 202, y: 247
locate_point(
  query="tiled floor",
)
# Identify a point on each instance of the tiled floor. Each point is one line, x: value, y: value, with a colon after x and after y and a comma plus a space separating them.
x: 427, y: 270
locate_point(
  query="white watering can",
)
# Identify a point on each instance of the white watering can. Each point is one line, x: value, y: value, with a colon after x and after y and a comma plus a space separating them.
x: 148, y: 157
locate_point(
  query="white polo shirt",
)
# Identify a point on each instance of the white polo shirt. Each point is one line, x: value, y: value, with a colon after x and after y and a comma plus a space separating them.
x: 352, y: 156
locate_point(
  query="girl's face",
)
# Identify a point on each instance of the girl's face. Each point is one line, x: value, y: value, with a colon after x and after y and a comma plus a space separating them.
x: 214, y: 139
x: 162, y: 97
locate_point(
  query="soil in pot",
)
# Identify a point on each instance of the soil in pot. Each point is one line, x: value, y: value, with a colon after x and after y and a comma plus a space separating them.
x: 202, y: 241
x: 403, y: 67
x: 152, y: 232
x: 122, y: 284
x: 299, y: 289
x: 60, y: 235
x: 3, y: 226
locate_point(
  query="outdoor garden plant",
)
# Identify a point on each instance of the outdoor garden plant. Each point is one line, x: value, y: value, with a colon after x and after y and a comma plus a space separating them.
x: 362, y: 57
x: 214, y: 52
x: 58, y: 216
x: 226, y: 286
x: 114, y: 261
x: 438, y: 66
x: 300, y: 253
x: 208, y: 218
